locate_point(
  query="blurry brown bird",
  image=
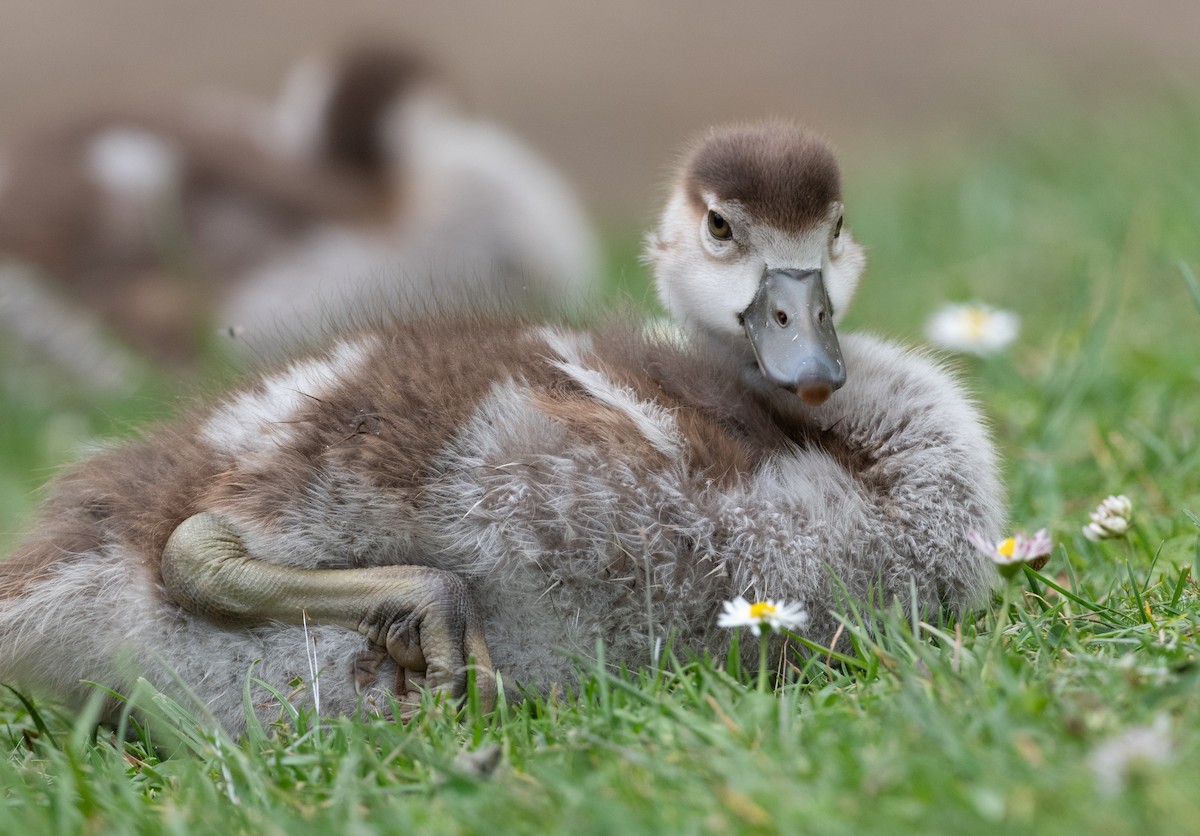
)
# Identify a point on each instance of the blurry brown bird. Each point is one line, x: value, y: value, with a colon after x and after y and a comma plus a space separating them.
x: 364, y: 184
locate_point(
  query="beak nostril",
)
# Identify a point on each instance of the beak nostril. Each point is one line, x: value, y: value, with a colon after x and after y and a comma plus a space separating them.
x: 789, y: 325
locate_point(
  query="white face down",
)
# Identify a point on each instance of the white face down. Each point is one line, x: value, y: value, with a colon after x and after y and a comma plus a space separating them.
x: 710, y: 260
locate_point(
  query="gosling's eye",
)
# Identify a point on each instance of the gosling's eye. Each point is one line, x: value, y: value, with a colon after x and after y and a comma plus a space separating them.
x: 718, y: 227
x: 837, y: 230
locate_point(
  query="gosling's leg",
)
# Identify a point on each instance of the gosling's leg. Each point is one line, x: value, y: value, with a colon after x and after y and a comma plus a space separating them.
x: 425, y: 618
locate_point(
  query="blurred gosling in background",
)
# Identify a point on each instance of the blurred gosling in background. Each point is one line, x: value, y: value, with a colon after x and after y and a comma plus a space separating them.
x: 365, y: 184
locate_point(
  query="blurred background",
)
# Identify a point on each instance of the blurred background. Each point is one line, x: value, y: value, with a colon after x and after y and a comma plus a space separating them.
x: 1038, y: 156
x: 607, y: 91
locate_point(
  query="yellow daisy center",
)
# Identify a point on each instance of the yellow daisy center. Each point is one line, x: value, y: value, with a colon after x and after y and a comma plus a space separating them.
x: 1006, y: 548
x: 977, y: 323
x: 762, y: 609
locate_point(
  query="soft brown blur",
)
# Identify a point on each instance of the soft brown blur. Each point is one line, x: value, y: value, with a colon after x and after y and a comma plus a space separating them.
x: 607, y: 90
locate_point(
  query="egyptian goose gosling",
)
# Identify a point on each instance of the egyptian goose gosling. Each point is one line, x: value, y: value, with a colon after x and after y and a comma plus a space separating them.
x: 366, y: 182
x: 435, y: 491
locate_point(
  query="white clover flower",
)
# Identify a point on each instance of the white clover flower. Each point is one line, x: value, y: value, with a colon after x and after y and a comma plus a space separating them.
x: 1008, y: 554
x: 774, y: 615
x: 973, y: 327
x: 1110, y: 520
x: 1136, y: 747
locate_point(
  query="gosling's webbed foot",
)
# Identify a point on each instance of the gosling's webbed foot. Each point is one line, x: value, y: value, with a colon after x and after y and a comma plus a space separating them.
x: 424, y: 618
x: 382, y: 685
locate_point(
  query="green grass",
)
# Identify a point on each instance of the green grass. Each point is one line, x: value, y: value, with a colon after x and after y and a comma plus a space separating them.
x: 1086, y: 225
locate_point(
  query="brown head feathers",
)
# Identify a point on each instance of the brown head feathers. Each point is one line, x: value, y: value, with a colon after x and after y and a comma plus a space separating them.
x: 782, y: 173
x: 368, y: 79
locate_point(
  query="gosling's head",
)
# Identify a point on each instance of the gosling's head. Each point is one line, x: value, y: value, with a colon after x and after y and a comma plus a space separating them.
x: 752, y: 249
x: 338, y: 110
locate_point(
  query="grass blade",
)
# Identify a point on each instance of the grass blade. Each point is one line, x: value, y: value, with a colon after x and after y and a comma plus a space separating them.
x: 1190, y: 279
x: 35, y: 716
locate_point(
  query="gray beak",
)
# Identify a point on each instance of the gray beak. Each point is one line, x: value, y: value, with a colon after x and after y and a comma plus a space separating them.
x: 790, y: 326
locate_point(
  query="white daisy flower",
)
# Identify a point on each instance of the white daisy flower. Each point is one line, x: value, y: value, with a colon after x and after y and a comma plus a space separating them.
x: 973, y: 327
x: 1110, y: 520
x: 774, y: 615
x: 1008, y: 554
